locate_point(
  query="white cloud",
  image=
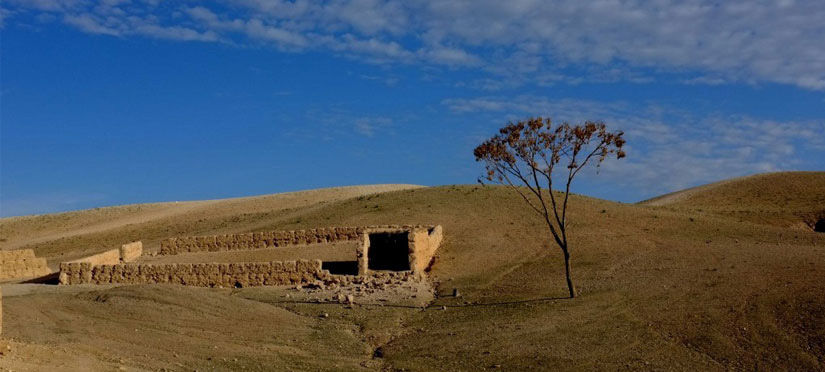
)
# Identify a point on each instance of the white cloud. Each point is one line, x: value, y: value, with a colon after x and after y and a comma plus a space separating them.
x: 369, y: 125
x: 704, y: 80
x: 4, y: 13
x: 255, y: 28
x: 450, y: 56
x: 90, y: 24
x: 526, y: 40
x: 372, y: 47
x: 669, y: 149
x: 174, y: 33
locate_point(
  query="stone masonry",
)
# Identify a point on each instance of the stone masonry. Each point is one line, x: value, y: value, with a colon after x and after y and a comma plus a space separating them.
x: 108, y: 267
x: 201, y: 275
x: 22, y: 263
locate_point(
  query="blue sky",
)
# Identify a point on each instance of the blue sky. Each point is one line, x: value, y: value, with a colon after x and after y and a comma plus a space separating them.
x: 119, y: 102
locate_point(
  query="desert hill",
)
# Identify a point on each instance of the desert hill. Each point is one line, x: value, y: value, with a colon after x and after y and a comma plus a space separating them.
x: 786, y: 198
x: 62, y: 236
x: 682, y: 286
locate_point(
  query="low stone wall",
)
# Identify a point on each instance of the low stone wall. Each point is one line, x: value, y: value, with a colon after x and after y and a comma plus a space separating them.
x: 105, y: 268
x: 131, y: 251
x: 202, y: 274
x: 424, y: 243
x: 22, y: 263
x: 110, y: 257
x: 257, y: 240
x: 271, y: 239
x: 126, y: 253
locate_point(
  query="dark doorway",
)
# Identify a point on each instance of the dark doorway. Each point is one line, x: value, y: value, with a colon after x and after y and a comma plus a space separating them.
x: 820, y: 226
x: 340, y: 267
x: 388, y: 251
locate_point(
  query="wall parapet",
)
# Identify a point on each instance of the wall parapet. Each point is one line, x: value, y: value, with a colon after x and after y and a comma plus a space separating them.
x: 199, y: 274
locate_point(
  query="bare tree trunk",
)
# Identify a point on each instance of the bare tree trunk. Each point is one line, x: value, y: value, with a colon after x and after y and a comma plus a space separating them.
x: 570, y: 286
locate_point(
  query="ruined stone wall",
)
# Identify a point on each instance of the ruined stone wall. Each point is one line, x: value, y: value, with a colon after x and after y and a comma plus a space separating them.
x: 126, y: 253
x: 423, y: 244
x: 423, y: 241
x: 202, y: 274
x: 110, y: 257
x: 22, y: 263
x: 257, y: 240
x: 131, y: 251
x: 270, y: 239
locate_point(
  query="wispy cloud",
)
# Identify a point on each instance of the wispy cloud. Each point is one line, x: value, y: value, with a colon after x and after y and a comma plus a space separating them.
x: 522, y: 40
x: 337, y: 124
x: 669, y: 149
x: 369, y: 125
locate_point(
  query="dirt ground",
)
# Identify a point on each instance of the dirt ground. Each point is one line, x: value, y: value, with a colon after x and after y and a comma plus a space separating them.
x: 675, y: 287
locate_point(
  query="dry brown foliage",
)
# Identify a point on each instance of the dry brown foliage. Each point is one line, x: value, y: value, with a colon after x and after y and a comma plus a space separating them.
x: 525, y: 153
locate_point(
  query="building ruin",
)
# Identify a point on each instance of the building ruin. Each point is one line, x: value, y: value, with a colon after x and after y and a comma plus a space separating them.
x: 404, y: 250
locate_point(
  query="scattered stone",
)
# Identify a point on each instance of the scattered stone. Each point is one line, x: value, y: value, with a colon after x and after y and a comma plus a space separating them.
x: 443, y: 308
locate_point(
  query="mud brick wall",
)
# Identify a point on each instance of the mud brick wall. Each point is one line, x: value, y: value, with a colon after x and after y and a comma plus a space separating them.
x: 257, y: 240
x: 22, y: 263
x: 131, y: 251
x: 202, y: 275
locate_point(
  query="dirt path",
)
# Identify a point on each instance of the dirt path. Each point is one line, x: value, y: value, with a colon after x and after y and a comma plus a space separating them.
x: 680, y: 195
x: 171, y: 210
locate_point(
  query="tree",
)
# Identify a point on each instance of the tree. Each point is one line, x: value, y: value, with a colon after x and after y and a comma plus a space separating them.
x: 525, y: 153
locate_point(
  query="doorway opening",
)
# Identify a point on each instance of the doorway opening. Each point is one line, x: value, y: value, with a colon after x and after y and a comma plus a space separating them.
x: 389, y: 252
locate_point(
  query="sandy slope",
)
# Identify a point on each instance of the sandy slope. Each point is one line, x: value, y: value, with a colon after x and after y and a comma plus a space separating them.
x: 667, y: 288
x: 72, y: 228
x: 790, y: 199
x: 683, y: 195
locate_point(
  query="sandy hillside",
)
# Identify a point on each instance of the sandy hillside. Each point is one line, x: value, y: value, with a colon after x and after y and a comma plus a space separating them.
x: 685, y: 286
x: 72, y: 234
x: 794, y: 199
